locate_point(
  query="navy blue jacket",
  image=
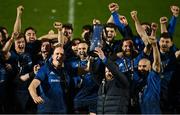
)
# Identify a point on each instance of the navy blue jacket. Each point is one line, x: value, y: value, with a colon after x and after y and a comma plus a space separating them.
x: 113, y: 95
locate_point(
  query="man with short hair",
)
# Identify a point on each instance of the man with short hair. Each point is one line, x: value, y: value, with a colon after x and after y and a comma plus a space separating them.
x: 168, y: 59
x: 21, y: 63
x: 146, y: 82
x: 85, y: 87
x: 110, y: 45
x: 53, y: 82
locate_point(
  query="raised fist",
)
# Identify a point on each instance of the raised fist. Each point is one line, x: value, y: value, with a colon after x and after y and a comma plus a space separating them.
x: 15, y: 35
x: 113, y: 7
x: 152, y: 40
x: 163, y: 20
x: 96, y: 21
x: 175, y: 10
x: 154, y: 26
x: 134, y: 15
x: 20, y: 9
x: 58, y: 25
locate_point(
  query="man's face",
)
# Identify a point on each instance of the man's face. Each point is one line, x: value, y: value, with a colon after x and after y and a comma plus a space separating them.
x: 30, y: 36
x: 144, y: 66
x: 110, y: 34
x: 75, y: 47
x: 58, y: 57
x: 45, y: 49
x: 20, y: 45
x: 108, y: 74
x: 82, y: 50
x: 127, y: 47
x: 1, y: 39
x: 6, y: 33
x: 67, y: 33
x: 165, y: 44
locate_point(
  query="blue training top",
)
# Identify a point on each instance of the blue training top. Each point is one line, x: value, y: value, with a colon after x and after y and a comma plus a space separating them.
x: 52, y: 89
x: 150, y: 97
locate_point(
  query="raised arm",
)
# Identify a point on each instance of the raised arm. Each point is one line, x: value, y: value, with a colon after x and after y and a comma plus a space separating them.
x: 8, y: 45
x: 156, y: 66
x: 50, y: 35
x: 17, y: 25
x: 154, y: 27
x: 112, y: 67
x: 120, y: 21
x: 58, y: 26
x: 173, y: 20
x: 113, y: 8
x: 142, y: 33
x: 110, y: 20
x: 163, y: 23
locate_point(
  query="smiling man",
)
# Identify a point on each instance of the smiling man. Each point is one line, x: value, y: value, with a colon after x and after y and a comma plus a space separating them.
x: 21, y: 63
x: 53, y: 81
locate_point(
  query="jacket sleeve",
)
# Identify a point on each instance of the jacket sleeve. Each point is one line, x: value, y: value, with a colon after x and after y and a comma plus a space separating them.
x: 97, y: 70
x: 115, y: 71
x: 116, y: 21
x: 172, y: 25
x: 125, y: 31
